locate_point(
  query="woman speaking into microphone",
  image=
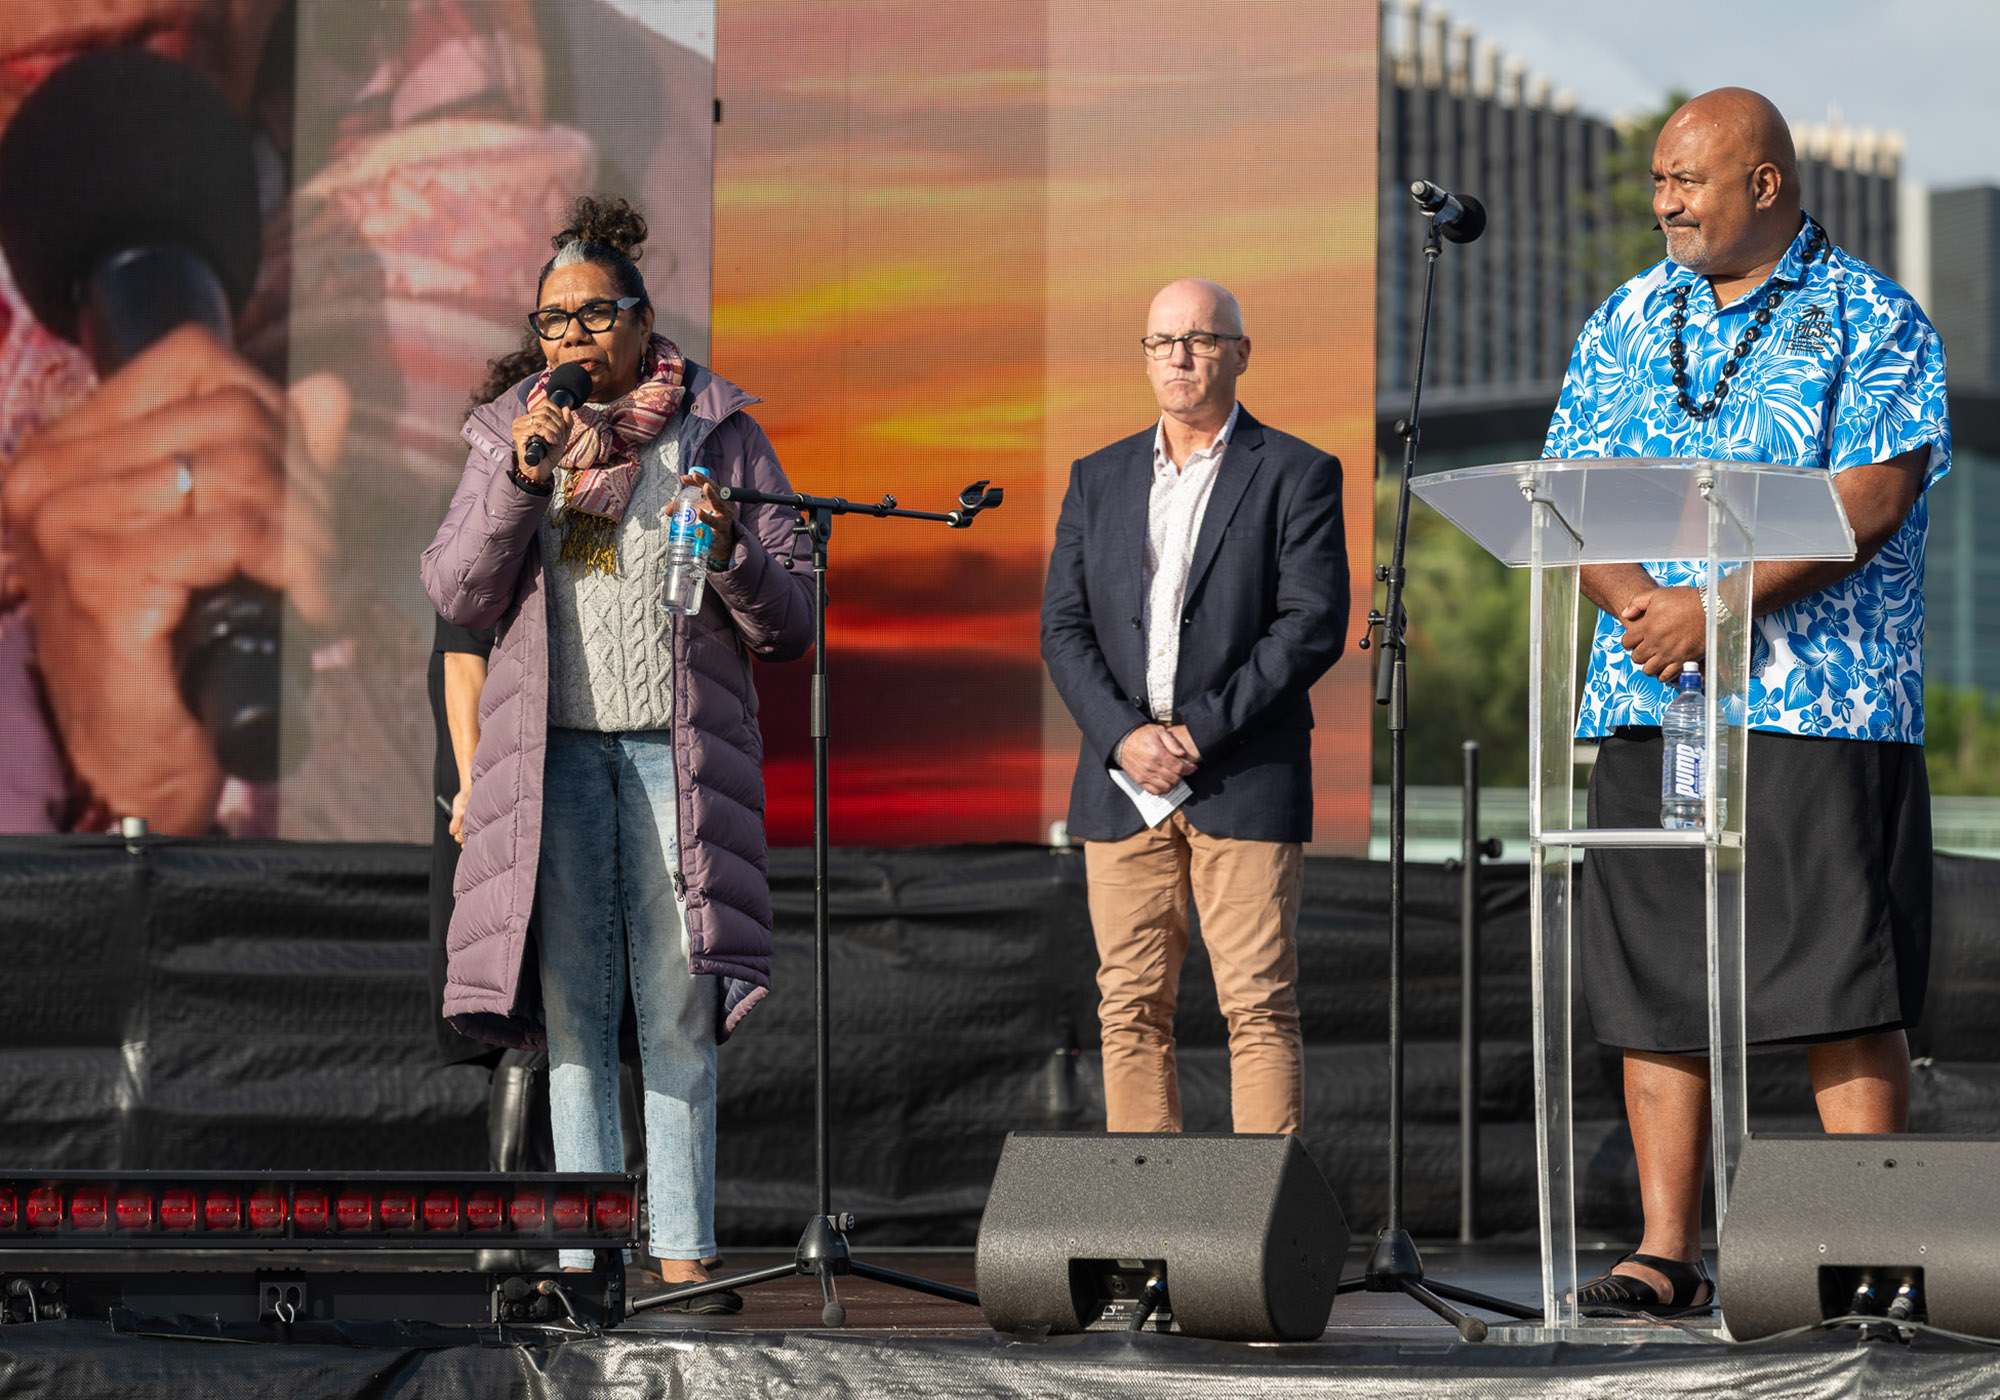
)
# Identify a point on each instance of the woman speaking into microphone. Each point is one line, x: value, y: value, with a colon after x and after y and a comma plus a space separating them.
x: 616, y: 788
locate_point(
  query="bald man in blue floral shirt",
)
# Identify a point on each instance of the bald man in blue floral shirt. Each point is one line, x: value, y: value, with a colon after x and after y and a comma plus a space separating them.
x: 1757, y: 340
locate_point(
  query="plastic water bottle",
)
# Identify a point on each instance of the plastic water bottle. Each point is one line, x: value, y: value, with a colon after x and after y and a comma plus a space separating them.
x: 687, y: 550
x: 1684, y: 775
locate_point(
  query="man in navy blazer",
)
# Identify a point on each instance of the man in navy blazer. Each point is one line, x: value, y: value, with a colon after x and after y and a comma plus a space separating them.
x: 1197, y: 589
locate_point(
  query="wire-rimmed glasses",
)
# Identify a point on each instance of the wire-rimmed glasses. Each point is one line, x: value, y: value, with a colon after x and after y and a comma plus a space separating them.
x: 1202, y: 343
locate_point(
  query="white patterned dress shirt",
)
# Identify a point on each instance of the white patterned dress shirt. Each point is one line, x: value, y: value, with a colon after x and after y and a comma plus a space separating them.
x: 1174, y: 509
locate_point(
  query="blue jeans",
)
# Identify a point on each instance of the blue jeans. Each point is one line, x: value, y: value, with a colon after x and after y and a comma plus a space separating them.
x: 607, y: 900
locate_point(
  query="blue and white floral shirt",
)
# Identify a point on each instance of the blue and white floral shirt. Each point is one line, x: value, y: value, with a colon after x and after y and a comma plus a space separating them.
x: 1848, y: 372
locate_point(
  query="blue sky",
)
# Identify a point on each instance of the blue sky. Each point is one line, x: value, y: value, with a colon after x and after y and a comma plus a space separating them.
x: 1927, y: 68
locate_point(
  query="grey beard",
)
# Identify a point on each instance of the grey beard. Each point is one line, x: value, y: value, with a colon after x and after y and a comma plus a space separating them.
x: 1692, y: 251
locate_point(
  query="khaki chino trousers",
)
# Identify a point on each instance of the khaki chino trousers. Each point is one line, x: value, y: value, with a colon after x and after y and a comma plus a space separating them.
x: 1247, y: 894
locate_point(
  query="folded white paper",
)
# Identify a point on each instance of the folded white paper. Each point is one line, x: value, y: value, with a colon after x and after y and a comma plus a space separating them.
x: 1152, y: 810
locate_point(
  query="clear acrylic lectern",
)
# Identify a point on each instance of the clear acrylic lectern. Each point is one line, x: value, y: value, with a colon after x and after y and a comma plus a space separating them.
x: 1553, y: 517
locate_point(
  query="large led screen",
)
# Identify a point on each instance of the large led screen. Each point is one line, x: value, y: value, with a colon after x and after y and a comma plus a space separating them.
x: 923, y: 234
x: 403, y: 164
x: 937, y: 231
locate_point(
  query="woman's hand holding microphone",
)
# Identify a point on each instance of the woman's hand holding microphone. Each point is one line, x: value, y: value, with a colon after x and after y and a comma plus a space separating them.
x: 552, y: 425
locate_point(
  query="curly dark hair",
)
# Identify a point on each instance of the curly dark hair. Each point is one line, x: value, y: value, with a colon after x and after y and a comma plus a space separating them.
x: 601, y: 229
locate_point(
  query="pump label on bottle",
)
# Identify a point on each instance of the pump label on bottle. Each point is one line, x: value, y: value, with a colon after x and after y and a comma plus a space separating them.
x: 1687, y: 770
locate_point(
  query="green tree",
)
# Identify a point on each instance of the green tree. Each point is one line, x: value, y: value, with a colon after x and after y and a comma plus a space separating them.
x: 1631, y: 244
x: 1962, y: 741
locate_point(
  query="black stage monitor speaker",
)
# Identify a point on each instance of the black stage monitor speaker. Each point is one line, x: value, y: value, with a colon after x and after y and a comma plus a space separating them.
x: 1902, y: 1226
x: 1241, y: 1235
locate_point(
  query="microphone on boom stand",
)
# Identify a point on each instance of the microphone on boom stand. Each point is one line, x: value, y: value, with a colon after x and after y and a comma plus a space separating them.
x: 973, y: 499
x: 1459, y: 217
x: 823, y: 1249
x: 1395, y: 1266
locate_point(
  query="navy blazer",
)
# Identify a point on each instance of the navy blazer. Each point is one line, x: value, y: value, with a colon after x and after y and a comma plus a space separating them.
x: 1264, y: 617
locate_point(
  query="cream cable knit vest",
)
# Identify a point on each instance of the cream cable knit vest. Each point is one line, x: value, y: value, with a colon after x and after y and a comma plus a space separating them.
x: 610, y: 637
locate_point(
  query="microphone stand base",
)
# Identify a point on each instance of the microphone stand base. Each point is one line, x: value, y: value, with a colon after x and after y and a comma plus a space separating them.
x: 1394, y: 1266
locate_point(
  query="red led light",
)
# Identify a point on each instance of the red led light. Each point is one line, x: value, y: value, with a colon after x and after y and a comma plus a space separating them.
x: 267, y: 1209
x: 258, y: 1211
x: 88, y: 1208
x: 45, y: 1208
x: 309, y: 1211
x: 527, y: 1212
x: 177, y: 1210
x: 356, y: 1210
x: 135, y: 1210
x: 572, y: 1211
x: 440, y: 1211
x: 222, y: 1211
x: 399, y: 1210
x: 482, y: 1210
x: 614, y: 1212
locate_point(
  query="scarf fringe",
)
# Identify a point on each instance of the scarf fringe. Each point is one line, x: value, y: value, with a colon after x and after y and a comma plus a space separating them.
x: 589, y: 543
x: 600, y: 467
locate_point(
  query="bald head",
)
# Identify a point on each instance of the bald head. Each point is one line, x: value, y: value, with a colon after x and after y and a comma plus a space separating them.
x: 1211, y: 305
x: 1197, y: 390
x: 1726, y: 183
x: 1741, y: 124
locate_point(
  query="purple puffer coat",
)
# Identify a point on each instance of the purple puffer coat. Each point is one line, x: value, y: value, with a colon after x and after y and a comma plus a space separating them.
x: 485, y: 567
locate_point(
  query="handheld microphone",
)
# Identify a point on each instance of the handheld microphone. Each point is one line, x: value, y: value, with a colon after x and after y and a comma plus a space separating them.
x: 128, y: 207
x: 1461, y: 218
x: 568, y: 387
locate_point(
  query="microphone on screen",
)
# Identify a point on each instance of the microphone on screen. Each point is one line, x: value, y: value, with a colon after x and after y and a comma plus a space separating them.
x: 128, y: 207
x: 568, y: 387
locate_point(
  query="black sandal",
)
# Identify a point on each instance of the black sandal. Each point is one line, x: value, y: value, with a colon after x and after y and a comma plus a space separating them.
x: 1611, y: 1294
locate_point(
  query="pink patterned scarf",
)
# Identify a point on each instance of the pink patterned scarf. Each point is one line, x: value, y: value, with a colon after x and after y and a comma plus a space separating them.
x: 600, y: 466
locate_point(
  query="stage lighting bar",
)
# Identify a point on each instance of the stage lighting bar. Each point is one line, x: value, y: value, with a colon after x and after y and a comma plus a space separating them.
x: 316, y: 1210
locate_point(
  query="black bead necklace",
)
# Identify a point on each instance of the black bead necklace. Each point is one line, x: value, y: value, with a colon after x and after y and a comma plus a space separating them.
x: 1677, y: 355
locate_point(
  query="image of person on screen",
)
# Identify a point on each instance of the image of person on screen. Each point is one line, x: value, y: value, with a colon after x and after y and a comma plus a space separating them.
x: 191, y: 465
x: 617, y: 790
x: 1197, y: 589
x: 1758, y: 339
x: 409, y: 155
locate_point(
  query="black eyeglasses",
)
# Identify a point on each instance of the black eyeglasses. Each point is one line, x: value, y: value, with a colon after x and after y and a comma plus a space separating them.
x: 1203, y: 343
x: 552, y: 322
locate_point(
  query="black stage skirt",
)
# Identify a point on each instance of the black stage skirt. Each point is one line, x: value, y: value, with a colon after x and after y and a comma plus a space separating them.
x: 1837, y: 896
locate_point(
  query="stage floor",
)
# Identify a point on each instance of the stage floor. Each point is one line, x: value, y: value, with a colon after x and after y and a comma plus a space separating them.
x: 1375, y: 1345
x: 901, y: 1344
x: 1501, y: 1270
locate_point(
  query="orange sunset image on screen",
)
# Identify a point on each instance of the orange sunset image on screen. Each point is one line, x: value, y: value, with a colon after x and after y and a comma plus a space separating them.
x: 936, y: 232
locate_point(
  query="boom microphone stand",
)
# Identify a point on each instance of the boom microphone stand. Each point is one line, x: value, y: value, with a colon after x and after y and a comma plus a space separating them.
x: 1395, y: 1266
x: 822, y: 1249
